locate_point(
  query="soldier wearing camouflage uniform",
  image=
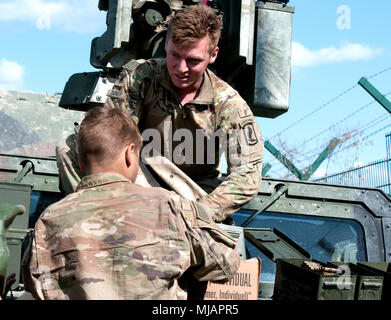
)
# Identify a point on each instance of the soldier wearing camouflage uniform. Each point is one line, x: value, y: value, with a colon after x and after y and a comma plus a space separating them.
x: 179, y: 95
x: 113, y: 239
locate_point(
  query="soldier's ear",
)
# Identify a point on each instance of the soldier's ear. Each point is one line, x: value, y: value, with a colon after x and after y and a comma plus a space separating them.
x: 130, y: 154
x: 213, y: 56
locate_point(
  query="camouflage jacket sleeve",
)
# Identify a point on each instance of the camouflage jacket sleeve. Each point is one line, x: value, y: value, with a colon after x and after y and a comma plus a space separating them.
x: 31, y: 272
x: 131, y: 88
x: 244, y: 158
x: 213, y: 252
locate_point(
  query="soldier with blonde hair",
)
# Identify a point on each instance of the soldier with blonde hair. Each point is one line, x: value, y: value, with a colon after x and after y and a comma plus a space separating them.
x: 113, y: 239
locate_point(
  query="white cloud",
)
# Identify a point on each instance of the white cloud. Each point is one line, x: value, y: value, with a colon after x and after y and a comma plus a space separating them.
x: 82, y: 16
x: 11, y: 74
x: 303, y: 57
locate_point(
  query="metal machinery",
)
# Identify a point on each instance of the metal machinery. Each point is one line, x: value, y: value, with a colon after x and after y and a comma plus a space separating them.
x: 288, y: 220
x: 255, y: 46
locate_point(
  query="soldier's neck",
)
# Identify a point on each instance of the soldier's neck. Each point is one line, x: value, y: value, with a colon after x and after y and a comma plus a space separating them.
x: 186, y: 96
x: 114, y: 167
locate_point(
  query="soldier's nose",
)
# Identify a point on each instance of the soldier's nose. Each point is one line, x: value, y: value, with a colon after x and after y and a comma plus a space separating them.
x: 182, y: 66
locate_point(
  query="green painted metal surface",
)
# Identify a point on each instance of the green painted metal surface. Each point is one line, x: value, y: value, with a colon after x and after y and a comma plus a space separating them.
x: 376, y: 174
x: 322, y: 156
x: 369, y: 285
x: 275, y: 244
x: 266, y: 168
x: 381, y: 269
x: 363, y: 82
x: 40, y: 172
x: 15, y: 194
x: 284, y: 160
x: 292, y: 168
x: 8, y: 213
x: 293, y: 282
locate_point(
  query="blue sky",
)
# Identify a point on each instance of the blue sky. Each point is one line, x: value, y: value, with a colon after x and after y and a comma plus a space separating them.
x: 335, y: 43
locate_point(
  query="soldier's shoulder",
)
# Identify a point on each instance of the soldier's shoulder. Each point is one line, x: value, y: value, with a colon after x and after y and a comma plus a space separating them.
x: 154, y: 193
x: 168, y: 197
x: 222, y: 91
x: 62, y: 206
x: 145, y: 65
x: 219, y: 84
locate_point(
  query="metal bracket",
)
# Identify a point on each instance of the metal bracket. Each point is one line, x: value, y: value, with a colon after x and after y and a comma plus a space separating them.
x: 368, y: 87
x: 283, y: 188
x: 26, y: 168
x: 275, y: 244
x: 103, y: 86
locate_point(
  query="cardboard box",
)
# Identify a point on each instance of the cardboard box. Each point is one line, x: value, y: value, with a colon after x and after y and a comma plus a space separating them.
x: 243, y: 286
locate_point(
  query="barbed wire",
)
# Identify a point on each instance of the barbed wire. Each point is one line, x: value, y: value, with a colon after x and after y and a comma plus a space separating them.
x: 328, y: 103
x: 339, y: 122
x: 378, y: 73
x: 363, y: 128
x: 314, y: 111
x: 316, y: 151
x: 311, y: 154
x: 375, y: 122
x: 368, y: 136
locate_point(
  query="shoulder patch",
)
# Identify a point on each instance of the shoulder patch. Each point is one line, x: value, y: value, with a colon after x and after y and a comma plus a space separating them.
x: 114, y: 93
x: 249, y: 133
x: 244, y: 113
x: 132, y: 65
x: 202, y: 213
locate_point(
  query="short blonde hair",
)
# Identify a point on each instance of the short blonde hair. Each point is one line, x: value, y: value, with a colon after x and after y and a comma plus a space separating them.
x: 104, y: 132
x: 194, y: 23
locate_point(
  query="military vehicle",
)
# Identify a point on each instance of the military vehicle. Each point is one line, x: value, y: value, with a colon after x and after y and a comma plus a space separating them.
x: 289, y: 225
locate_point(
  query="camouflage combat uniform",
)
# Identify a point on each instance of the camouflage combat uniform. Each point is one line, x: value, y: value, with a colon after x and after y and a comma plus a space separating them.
x: 144, y: 89
x: 113, y: 240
